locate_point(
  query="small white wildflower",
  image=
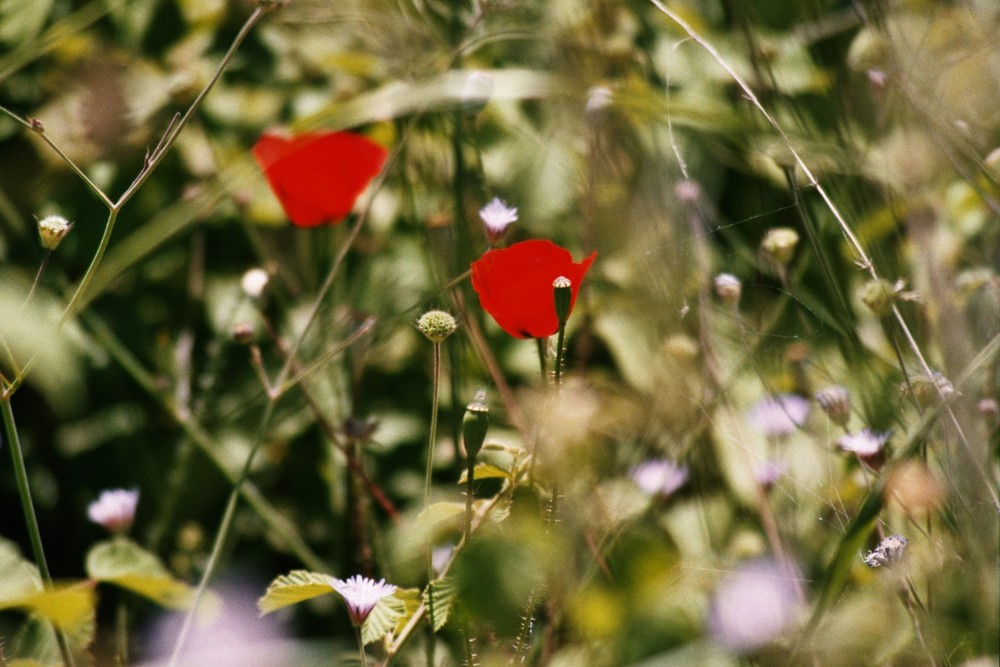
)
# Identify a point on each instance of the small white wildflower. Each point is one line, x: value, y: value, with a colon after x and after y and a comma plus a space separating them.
x: 659, y: 477
x: 729, y: 288
x: 865, y: 444
x: 361, y: 594
x: 598, y: 99
x: 477, y: 89
x: 888, y: 552
x: 779, y: 416
x: 114, y: 509
x: 52, y: 230
x: 497, y: 216
x: 752, y: 606
x: 253, y: 282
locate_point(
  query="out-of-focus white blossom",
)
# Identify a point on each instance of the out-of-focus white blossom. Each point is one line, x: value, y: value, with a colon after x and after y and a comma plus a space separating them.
x: 114, y: 509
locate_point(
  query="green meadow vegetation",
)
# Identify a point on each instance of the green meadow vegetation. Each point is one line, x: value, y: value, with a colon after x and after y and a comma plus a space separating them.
x: 499, y: 332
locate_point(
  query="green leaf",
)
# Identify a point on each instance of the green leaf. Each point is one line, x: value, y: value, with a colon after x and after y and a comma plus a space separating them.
x: 70, y: 607
x: 383, y: 618
x: 444, y: 593
x: 18, y: 577
x: 486, y: 471
x: 124, y: 563
x: 21, y: 21
x: 294, y: 587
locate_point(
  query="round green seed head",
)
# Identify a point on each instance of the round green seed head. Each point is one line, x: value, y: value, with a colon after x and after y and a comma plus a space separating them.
x: 437, y: 325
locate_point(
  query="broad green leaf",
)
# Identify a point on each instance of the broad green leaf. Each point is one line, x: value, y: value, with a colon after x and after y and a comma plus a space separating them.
x: 70, y: 607
x: 444, y: 592
x: 383, y: 619
x: 31, y: 331
x: 124, y: 563
x: 18, y: 577
x: 22, y: 20
x: 294, y: 587
x: 485, y: 471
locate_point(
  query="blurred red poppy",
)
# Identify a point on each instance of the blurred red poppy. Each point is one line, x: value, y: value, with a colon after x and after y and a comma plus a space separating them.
x: 515, y: 285
x: 317, y: 176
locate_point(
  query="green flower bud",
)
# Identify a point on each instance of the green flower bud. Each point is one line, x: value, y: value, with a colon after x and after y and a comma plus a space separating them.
x: 474, y: 425
x: 879, y: 295
x: 52, y: 229
x: 780, y: 244
x: 562, y: 288
x: 437, y: 325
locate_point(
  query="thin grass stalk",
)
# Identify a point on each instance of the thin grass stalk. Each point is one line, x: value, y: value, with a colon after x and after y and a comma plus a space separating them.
x: 28, y: 506
x: 223, y: 532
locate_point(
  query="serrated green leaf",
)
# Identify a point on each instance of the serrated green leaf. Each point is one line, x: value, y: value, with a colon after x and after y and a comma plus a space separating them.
x: 296, y: 586
x: 124, y: 563
x: 444, y: 592
x: 485, y: 471
x: 382, y: 619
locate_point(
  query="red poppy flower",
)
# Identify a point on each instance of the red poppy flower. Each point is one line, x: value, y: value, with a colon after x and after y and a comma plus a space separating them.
x: 317, y: 176
x: 515, y: 285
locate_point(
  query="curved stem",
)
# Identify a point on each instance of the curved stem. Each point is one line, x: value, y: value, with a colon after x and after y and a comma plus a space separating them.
x: 102, y: 247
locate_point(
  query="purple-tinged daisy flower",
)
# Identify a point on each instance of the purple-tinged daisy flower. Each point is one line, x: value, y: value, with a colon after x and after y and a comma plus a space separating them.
x: 752, y: 606
x: 361, y: 594
x: 767, y: 473
x: 659, y: 477
x: 114, y: 509
x: 866, y: 445
x: 497, y: 216
x: 778, y: 416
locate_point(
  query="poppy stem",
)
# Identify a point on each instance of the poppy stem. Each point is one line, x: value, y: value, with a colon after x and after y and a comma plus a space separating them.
x: 560, y: 352
x: 542, y: 353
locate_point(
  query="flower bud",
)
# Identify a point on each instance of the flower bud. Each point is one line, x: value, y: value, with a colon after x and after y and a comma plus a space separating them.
x: 729, y: 288
x: 497, y: 217
x: 474, y: 425
x: 562, y: 288
x: 477, y: 89
x: 114, y: 509
x: 52, y: 229
x: 254, y: 282
x: 779, y: 244
x: 243, y: 333
x: 836, y: 403
x: 436, y: 325
x: 879, y: 295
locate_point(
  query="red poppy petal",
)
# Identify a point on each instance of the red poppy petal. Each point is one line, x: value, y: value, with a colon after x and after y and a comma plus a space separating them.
x: 515, y: 285
x: 318, y: 176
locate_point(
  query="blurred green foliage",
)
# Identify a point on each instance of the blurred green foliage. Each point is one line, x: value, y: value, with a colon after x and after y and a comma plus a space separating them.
x: 609, y: 128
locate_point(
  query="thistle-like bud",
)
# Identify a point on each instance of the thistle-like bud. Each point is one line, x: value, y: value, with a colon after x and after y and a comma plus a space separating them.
x: 52, y: 230
x: 437, y: 325
x: 729, y: 288
x: 562, y: 288
x: 879, y: 295
x: 836, y: 403
x: 474, y: 425
x: 779, y: 244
